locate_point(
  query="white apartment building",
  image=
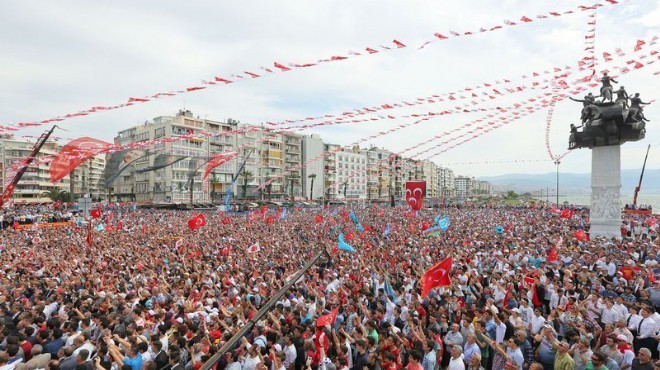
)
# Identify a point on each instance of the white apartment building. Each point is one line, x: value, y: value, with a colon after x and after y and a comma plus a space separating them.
x: 430, y: 174
x: 446, y: 182
x: 351, y: 174
x: 378, y: 173
x: 481, y: 187
x: 36, y: 179
x: 464, y: 186
x: 171, y: 184
x: 313, y: 174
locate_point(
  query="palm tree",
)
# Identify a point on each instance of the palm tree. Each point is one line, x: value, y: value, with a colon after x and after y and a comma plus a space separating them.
x: 56, y: 194
x: 247, y: 176
x: 294, y: 179
x: 311, y: 188
x: 214, y: 181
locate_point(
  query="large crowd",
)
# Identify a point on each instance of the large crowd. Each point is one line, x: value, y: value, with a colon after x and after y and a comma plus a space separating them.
x: 147, y: 292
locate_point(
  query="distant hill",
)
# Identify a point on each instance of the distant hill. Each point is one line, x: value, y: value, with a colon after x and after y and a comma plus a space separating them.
x: 573, y: 183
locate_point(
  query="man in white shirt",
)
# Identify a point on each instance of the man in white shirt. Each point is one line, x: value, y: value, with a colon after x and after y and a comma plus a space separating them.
x: 646, y: 331
x: 290, y: 353
x: 608, y: 315
x: 537, y: 322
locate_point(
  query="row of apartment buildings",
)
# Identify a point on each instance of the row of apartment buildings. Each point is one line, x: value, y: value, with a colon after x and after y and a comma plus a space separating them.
x: 300, y: 167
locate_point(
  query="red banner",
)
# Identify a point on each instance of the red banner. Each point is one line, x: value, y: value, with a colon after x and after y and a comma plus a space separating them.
x: 75, y: 153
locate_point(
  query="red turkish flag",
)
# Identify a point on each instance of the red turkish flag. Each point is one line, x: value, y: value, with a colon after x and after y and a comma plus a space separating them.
x: 318, y: 219
x: 567, y: 213
x: 75, y: 153
x: 226, y: 220
x: 196, y: 222
x: 328, y: 319
x: 436, y: 276
x: 217, y: 160
x: 95, y: 213
x: 581, y: 236
x: 552, y: 255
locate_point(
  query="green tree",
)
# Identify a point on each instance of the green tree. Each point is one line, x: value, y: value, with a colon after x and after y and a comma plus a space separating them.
x: 293, y: 178
x: 56, y: 194
x: 214, y: 182
x: 511, y: 195
x: 311, y: 187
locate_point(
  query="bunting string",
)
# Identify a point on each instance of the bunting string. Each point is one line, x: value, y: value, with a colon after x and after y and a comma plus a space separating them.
x: 277, y: 67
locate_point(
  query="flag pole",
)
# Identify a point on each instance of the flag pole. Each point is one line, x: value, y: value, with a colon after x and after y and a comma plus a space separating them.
x: 229, y: 345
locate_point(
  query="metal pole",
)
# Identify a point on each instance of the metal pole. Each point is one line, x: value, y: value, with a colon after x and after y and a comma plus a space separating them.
x: 557, y: 163
x: 267, y: 307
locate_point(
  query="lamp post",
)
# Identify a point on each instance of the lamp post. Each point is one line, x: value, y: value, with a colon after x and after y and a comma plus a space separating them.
x: 557, y: 162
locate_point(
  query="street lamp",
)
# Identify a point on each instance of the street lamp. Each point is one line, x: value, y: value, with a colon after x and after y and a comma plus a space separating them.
x: 557, y: 162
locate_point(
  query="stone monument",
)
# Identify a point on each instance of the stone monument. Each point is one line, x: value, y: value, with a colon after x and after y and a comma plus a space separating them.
x: 606, y: 125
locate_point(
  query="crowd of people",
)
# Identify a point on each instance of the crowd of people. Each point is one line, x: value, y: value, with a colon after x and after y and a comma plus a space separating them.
x: 148, y: 292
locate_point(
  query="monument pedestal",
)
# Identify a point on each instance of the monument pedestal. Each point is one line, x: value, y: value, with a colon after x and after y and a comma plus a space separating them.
x: 605, y: 213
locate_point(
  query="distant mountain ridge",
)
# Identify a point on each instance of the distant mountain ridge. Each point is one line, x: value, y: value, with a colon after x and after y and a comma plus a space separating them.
x: 572, y: 182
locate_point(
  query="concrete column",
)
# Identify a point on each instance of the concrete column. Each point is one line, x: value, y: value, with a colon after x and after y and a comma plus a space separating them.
x: 605, y: 214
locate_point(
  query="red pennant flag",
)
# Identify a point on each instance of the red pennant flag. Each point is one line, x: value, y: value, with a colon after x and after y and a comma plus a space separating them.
x: 436, y: 276
x: 638, y: 47
x: 440, y: 36
x: 525, y: 19
x: 253, y: 75
x: 220, y: 79
x: 195, y: 88
x: 398, y: 44
x: 371, y: 51
x: 328, y: 319
x: 95, y: 213
x: 281, y: 66
x: 638, y: 65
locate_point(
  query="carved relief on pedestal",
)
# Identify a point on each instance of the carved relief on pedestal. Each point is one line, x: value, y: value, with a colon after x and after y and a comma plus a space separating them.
x: 605, y: 203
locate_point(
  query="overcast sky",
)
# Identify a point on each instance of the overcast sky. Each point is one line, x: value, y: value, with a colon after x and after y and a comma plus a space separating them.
x: 61, y: 57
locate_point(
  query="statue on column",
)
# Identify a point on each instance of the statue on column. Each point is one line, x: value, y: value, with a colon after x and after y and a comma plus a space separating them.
x: 606, y: 89
x: 608, y: 122
x: 588, y: 100
x: 636, y: 110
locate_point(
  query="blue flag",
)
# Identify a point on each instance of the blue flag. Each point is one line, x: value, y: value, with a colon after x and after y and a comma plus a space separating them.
x: 444, y: 223
x: 100, y: 227
x: 283, y: 215
x: 499, y: 229
x: 354, y: 218
x: 359, y: 228
x: 388, y: 289
x: 228, y: 196
x: 387, y: 231
x: 343, y: 245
